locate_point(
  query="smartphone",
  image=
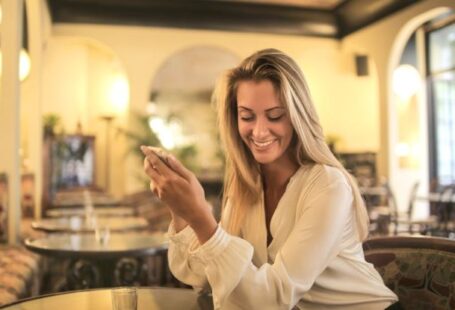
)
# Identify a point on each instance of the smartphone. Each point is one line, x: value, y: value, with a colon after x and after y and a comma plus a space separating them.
x: 157, y: 152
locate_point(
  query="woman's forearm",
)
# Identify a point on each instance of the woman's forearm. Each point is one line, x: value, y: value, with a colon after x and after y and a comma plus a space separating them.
x: 179, y: 223
x: 204, y: 226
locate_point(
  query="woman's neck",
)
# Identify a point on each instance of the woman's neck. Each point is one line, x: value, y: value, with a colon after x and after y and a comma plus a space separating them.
x: 276, y: 176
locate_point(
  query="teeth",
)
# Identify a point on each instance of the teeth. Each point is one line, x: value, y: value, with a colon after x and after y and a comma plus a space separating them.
x: 263, y: 144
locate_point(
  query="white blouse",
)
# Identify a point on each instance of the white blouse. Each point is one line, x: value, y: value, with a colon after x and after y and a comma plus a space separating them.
x: 314, y: 261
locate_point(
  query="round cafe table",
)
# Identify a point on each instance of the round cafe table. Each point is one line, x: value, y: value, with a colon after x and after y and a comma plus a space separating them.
x: 153, y: 298
x: 77, y: 224
x: 99, y: 212
x: 92, y: 264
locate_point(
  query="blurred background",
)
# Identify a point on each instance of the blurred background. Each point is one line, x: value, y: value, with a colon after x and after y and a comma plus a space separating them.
x: 85, y: 82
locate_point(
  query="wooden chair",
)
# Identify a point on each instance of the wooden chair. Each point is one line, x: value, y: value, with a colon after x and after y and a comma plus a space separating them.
x: 402, y: 222
x: 444, y: 209
x: 405, y: 223
x: 420, y: 270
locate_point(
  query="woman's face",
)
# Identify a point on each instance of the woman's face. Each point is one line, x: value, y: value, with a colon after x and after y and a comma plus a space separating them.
x: 263, y: 121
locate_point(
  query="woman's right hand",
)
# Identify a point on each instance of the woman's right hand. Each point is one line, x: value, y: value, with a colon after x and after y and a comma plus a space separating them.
x: 169, y: 183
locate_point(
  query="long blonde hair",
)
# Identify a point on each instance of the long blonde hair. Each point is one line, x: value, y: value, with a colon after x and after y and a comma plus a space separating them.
x: 242, y: 185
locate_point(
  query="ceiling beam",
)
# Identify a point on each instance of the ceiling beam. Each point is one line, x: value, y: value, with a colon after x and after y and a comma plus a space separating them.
x: 344, y: 19
x: 353, y: 15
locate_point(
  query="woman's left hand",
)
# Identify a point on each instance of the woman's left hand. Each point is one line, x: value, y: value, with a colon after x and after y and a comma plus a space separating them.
x: 180, y: 190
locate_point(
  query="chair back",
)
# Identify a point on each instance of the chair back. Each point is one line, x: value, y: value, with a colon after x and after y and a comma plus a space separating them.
x: 391, y: 201
x: 445, y: 206
x: 420, y: 270
x: 412, y: 198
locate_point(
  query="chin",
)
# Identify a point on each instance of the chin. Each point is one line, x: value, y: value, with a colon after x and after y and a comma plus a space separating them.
x: 265, y: 159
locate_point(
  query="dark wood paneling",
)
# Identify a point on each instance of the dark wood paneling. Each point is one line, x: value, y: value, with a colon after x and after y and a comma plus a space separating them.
x: 355, y: 14
x: 344, y: 19
x: 198, y: 15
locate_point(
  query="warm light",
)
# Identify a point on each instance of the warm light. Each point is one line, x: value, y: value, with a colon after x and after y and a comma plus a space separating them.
x: 151, y: 108
x: 405, y: 81
x: 169, y: 134
x: 403, y: 149
x: 24, y: 64
x: 119, y: 94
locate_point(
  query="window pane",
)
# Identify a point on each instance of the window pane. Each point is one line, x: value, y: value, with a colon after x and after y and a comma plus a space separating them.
x: 442, y: 49
x: 442, y: 77
x: 444, y: 100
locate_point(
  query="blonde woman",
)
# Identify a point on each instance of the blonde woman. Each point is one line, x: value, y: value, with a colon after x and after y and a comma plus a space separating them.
x: 293, y: 220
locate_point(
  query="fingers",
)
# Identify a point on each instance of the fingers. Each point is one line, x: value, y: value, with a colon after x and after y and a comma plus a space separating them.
x: 155, y: 161
x: 154, y: 189
x: 179, y: 168
x: 169, y: 161
x: 150, y: 170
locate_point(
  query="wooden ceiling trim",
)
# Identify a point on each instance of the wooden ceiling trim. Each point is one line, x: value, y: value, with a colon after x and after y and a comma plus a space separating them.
x: 199, y: 15
x: 232, y: 15
x: 356, y: 14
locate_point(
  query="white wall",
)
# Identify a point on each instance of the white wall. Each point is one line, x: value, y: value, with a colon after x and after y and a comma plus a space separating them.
x: 347, y: 104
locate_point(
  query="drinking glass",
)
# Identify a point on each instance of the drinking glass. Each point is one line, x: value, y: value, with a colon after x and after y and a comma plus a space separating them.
x: 124, y: 298
x: 102, y: 235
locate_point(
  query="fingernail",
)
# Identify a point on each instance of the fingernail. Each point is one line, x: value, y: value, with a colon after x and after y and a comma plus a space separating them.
x: 144, y: 149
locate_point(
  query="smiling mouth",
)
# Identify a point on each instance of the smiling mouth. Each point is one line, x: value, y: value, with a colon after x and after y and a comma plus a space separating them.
x: 262, y: 143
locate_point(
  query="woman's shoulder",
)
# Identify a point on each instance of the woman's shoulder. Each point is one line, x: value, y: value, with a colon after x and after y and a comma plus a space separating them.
x: 323, y: 174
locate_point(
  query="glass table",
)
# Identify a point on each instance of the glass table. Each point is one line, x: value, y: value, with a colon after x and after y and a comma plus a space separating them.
x: 154, y: 298
x: 77, y: 224
x: 92, y: 263
x: 97, y: 211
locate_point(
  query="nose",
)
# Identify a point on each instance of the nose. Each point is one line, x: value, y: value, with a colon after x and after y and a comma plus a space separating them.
x: 260, y: 128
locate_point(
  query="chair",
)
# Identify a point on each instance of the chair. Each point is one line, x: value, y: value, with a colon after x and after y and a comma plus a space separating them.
x: 404, y: 223
x: 420, y: 270
x: 382, y: 214
x: 444, y: 208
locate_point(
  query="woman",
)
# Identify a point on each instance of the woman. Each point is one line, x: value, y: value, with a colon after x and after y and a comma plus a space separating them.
x: 293, y: 219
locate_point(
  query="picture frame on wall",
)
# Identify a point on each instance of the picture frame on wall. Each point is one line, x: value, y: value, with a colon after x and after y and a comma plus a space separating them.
x: 68, y: 164
x: 73, y: 162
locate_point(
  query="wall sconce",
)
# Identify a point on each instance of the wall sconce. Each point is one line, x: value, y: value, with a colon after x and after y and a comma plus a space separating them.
x: 24, y: 59
x: 405, y: 81
x: 118, y: 94
x: 24, y: 64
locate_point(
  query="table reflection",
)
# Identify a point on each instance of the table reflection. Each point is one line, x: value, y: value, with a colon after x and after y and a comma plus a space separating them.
x: 100, y: 299
x: 75, y: 224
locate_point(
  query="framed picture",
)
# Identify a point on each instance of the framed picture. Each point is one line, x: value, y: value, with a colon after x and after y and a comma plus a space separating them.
x: 71, y: 162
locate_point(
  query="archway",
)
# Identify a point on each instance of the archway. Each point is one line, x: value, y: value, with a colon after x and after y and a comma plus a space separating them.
x: 180, y: 107
x: 408, y: 157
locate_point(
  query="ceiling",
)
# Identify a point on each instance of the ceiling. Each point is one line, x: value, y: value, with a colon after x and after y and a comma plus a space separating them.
x: 322, y: 18
x: 317, y: 4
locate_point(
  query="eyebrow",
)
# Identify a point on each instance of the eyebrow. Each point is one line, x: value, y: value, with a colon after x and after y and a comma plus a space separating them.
x: 268, y: 110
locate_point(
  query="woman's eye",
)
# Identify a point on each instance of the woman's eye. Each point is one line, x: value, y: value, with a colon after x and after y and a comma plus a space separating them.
x: 274, y: 118
x: 246, y: 118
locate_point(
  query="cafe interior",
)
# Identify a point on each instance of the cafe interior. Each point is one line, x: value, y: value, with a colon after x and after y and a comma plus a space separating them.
x: 85, y: 83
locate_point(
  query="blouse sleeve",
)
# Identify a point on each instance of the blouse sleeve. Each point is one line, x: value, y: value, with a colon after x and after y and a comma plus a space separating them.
x: 183, y: 267
x: 184, y: 264
x: 312, y: 244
